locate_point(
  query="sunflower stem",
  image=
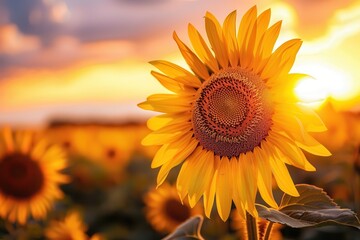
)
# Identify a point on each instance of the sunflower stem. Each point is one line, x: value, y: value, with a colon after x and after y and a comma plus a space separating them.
x: 268, y: 231
x: 357, y: 180
x: 251, y: 227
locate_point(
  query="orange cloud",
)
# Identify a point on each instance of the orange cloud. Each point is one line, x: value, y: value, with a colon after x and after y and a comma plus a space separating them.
x: 121, y: 82
x: 12, y: 41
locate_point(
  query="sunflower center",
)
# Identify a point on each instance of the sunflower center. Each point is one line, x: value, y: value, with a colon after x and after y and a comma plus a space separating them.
x: 232, y: 113
x: 20, y: 176
x: 111, y: 153
x: 176, y: 211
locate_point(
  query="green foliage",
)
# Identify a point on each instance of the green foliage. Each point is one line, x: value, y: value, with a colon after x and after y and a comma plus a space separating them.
x: 190, y: 229
x: 312, y: 208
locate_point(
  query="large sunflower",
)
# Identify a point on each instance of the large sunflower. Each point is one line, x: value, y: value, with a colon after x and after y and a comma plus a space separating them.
x: 232, y: 121
x: 29, y: 176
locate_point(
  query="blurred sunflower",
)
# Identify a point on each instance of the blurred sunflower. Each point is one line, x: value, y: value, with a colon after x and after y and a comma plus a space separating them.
x: 164, y: 209
x: 232, y: 122
x: 29, y: 176
x: 64, y: 136
x: 70, y: 228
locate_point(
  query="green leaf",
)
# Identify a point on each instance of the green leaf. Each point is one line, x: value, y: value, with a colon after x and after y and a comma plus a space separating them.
x: 312, y: 208
x: 190, y: 229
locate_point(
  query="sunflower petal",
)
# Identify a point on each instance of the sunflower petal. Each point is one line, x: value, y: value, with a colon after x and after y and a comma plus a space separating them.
x: 281, y: 61
x: 316, y: 149
x: 192, y: 60
x: 168, y: 82
x: 202, y: 173
x: 280, y: 172
x: 216, y: 39
x: 262, y: 25
x: 229, y: 27
x: 159, y: 121
x: 202, y: 49
x: 268, y: 40
x: 290, y: 151
x: 183, y: 180
x: 247, y: 36
x: 266, y: 46
x: 264, y: 178
x: 182, y: 183
x: 238, y: 193
x: 209, y: 194
x: 248, y: 172
x: 178, y: 73
x: 223, y: 189
x: 165, y: 135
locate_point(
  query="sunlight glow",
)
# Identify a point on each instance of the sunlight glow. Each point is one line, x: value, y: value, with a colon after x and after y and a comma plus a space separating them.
x: 330, y: 80
x: 310, y: 90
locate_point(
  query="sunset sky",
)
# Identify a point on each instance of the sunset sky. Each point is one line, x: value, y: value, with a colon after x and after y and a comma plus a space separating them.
x: 89, y: 59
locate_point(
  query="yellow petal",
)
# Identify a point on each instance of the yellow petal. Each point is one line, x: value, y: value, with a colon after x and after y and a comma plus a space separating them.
x: 183, y: 179
x: 290, y: 151
x: 239, y: 195
x: 8, y: 139
x: 248, y: 172
x: 22, y: 214
x: 202, y: 174
x: 182, y: 183
x: 223, y: 189
x: 268, y: 40
x: 157, y: 122
x: 166, y: 134
x: 317, y: 149
x: 312, y: 122
x: 229, y: 27
x: 176, y: 151
x: 247, y: 36
x: 191, y: 59
x: 160, y: 121
x: 294, y: 129
x: 281, y: 61
x: 265, y: 177
x: 262, y: 25
x: 164, y: 172
x: 216, y: 39
x: 168, y: 82
x: 202, y: 49
x: 280, y: 172
x: 164, y: 107
x: 178, y: 73
x: 209, y: 194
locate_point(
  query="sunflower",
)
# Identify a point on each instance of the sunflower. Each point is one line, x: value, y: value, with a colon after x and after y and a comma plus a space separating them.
x: 29, y: 176
x: 70, y: 228
x: 232, y: 121
x: 164, y: 209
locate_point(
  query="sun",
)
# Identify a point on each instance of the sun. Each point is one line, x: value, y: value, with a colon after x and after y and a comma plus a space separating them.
x: 231, y: 122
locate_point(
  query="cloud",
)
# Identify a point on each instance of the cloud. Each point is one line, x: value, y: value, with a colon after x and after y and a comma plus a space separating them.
x: 109, y: 30
x: 142, y: 2
x: 14, y: 42
x: 36, y: 17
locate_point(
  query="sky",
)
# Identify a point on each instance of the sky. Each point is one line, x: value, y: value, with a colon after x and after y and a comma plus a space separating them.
x: 88, y: 59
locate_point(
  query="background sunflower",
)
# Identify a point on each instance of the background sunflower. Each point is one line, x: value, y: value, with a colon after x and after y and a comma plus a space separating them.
x: 164, y: 209
x: 30, y: 175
